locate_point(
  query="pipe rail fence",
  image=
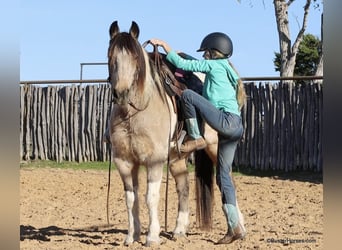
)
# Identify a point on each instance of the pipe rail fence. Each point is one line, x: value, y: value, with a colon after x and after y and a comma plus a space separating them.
x: 66, y: 121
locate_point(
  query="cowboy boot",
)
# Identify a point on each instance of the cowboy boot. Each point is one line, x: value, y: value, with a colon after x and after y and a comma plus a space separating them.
x: 235, y: 230
x: 195, y: 140
x: 232, y: 235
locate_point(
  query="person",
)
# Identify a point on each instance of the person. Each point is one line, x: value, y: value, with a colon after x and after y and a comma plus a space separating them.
x: 219, y: 105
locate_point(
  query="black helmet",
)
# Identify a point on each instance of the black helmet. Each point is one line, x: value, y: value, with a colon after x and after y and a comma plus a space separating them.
x: 218, y: 41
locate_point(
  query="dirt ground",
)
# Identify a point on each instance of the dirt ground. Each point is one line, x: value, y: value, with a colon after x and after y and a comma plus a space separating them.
x: 66, y: 209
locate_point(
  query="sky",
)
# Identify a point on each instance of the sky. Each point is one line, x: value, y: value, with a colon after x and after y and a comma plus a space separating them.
x: 56, y: 36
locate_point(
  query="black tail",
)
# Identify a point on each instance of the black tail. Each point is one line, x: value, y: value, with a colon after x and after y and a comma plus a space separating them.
x: 204, y: 171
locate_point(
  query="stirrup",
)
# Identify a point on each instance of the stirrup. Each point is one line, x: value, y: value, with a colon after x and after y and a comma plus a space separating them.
x: 180, y: 141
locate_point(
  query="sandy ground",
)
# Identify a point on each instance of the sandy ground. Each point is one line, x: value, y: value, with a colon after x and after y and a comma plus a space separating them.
x: 66, y: 209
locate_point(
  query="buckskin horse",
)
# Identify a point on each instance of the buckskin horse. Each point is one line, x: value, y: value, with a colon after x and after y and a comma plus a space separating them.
x: 142, y: 125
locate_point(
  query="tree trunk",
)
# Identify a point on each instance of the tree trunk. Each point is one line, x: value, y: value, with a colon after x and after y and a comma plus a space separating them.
x: 288, y: 52
x: 281, y: 10
x: 319, y: 70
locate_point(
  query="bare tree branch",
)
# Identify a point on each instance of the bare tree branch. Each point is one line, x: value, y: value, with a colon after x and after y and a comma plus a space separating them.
x: 290, y: 2
x: 302, y: 30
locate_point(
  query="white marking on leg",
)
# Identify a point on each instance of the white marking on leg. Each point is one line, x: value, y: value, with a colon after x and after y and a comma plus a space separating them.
x: 129, y: 204
x: 152, y: 200
x: 182, y: 223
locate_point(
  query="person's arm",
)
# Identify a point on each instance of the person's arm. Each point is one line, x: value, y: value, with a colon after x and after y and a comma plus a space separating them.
x: 186, y: 56
x: 161, y: 43
x: 179, y: 62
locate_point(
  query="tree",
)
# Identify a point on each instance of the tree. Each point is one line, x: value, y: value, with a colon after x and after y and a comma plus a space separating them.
x: 307, y: 59
x: 288, y: 49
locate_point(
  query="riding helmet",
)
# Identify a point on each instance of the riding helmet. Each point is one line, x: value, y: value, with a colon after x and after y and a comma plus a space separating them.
x: 218, y: 41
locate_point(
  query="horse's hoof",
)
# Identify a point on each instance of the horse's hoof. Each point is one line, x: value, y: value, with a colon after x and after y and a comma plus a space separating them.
x: 179, y: 236
x: 127, y: 243
x: 129, y: 239
x: 151, y: 243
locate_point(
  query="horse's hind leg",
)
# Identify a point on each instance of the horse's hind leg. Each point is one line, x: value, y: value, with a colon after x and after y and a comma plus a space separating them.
x: 154, y: 177
x: 129, y: 176
x: 180, y: 174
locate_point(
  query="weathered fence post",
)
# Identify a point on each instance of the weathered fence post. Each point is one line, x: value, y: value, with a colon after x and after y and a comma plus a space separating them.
x: 283, y: 129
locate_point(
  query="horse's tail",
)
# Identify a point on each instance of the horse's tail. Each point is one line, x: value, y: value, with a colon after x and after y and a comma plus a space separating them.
x: 204, y: 172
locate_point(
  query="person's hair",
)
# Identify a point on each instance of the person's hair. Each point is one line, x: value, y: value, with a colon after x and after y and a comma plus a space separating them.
x: 240, y: 91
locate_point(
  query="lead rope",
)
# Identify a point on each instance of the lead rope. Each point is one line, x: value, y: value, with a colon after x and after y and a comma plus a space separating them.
x: 167, y: 172
x: 109, y: 171
x: 110, y: 164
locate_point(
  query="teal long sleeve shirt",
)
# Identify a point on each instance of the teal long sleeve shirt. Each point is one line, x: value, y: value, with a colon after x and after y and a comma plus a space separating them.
x: 220, y: 80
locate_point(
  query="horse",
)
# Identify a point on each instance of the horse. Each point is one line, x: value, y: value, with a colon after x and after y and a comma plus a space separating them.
x: 142, y: 124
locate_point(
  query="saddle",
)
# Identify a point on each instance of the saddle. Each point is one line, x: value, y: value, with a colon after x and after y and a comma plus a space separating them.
x: 175, y: 80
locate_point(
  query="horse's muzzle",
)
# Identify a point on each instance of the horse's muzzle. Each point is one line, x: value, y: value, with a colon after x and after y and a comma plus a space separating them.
x: 121, y: 97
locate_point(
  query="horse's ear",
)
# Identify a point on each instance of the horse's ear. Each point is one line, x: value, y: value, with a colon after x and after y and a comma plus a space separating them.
x: 134, y: 30
x: 114, y: 29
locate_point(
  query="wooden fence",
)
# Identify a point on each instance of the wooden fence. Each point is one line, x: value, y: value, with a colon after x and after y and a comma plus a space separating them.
x: 64, y: 123
x: 283, y: 127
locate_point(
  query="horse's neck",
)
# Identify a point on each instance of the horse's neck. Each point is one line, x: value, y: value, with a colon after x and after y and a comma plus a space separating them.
x: 153, y: 80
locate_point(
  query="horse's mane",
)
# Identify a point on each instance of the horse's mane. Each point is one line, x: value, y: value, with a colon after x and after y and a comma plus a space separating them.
x: 124, y: 41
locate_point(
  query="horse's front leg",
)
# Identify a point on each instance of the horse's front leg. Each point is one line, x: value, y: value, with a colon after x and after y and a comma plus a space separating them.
x: 129, y: 176
x: 154, y: 177
x: 180, y: 173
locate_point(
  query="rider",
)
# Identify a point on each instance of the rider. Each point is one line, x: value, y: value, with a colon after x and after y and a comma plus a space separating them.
x: 220, y: 104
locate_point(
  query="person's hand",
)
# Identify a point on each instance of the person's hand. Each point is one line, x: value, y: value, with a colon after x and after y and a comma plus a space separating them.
x: 155, y: 41
x: 158, y: 42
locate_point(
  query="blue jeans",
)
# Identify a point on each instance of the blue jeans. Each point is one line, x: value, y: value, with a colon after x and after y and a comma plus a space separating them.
x: 229, y: 129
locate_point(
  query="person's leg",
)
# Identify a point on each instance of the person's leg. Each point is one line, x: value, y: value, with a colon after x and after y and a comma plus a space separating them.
x: 224, y: 123
x: 230, y: 129
x: 225, y: 156
x: 193, y: 102
x: 196, y: 141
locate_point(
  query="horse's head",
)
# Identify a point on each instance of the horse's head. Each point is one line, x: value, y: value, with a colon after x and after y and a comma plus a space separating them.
x: 126, y: 63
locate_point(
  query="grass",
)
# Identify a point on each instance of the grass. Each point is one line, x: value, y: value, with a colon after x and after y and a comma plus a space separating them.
x: 97, y: 165
x: 66, y: 165
x: 241, y: 171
